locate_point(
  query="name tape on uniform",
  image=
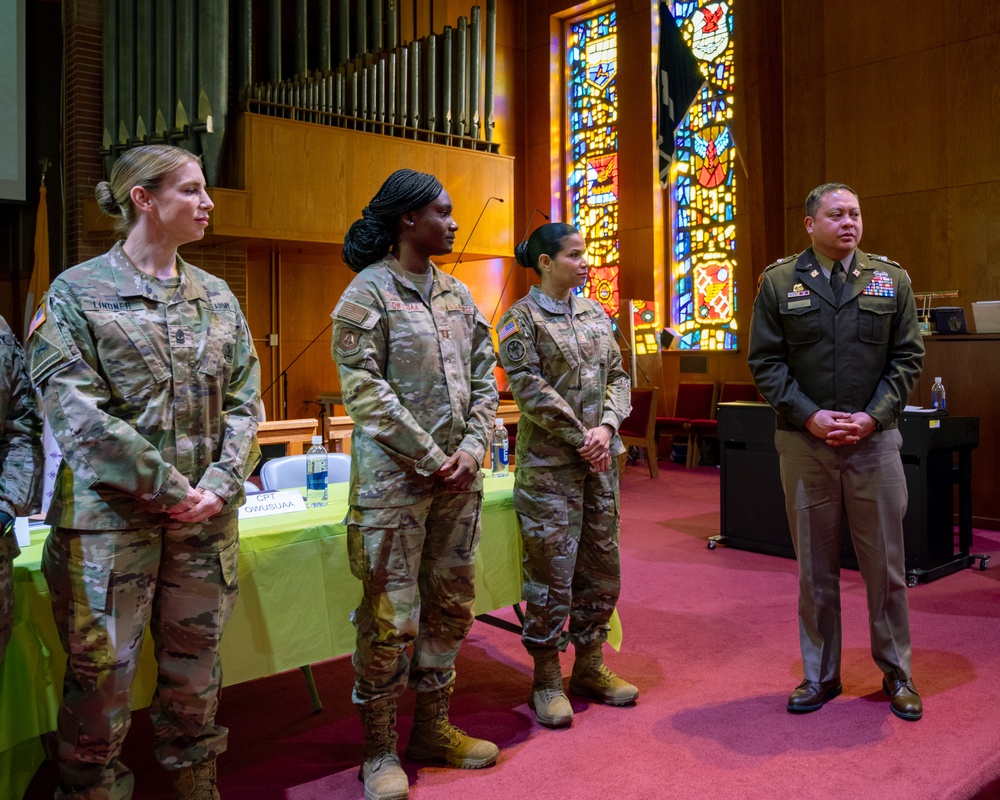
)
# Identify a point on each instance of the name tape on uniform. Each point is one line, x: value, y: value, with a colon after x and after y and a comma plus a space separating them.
x: 264, y: 504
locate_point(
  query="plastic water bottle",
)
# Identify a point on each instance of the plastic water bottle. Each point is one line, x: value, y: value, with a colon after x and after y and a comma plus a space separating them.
x: 938, y: 397
x: 316, y: 466
x: 498, y: 450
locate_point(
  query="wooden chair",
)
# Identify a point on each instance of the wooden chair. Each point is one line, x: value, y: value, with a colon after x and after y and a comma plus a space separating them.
x: 639, y: 428
x: 695, y: 400
x: 732, y: 392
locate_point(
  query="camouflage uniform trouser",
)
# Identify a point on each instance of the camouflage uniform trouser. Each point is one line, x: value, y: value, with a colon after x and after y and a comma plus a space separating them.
x: 8, y: 552
x: 417, y: 567
x: 181, y: 579
x: 569, y: 524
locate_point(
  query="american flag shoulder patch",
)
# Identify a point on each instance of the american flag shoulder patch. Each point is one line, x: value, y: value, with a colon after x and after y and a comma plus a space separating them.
x: 38, y: 319
x: 507, y: 329
x: 353, y: 312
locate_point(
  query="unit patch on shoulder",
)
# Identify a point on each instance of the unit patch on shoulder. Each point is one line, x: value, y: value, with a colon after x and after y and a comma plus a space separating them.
x: 508, y: 328
x: 347, y: 342
x: 515, y: 350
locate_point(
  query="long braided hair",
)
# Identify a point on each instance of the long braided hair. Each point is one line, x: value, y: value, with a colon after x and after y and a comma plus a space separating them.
x: 371, y: 237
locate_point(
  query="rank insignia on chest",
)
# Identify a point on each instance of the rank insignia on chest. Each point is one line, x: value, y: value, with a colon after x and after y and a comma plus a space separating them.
x: 880, y: 285
x: 515, y: 350
x: 505, y: 330
x: 228, y: 350
x: 798, y: 290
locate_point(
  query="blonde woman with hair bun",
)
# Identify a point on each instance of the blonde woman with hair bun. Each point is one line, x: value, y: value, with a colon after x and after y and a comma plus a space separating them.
x: 151, y: 386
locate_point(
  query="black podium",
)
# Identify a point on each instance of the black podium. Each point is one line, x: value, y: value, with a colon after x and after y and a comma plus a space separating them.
x: 936, y: 455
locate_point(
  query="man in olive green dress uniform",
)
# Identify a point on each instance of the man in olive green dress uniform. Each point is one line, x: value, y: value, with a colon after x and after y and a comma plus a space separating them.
x: 835, y: 349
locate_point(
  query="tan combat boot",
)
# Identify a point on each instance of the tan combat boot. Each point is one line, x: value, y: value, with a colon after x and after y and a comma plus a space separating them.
x: 434, y: 738
x: 380, y: 770
x: 196, y: 782
x: 551, y: 705
x: 591, y: 678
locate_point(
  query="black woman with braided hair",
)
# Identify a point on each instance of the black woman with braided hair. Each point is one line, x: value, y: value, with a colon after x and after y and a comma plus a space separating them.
x: 415, y: 360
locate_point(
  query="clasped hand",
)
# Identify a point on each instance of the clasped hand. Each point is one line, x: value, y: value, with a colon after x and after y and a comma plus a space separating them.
x: 197, y: 506
x: 459, y: 470
x: 596, y: 448
x: 838, y: 428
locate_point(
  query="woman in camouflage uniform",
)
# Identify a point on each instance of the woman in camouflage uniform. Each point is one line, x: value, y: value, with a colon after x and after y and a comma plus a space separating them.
x: 565, y: 372
x: 415, y: 360
x: 151, y: 385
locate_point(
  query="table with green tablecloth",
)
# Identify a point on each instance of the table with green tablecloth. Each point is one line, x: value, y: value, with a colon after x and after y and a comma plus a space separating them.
x: 296, y: 595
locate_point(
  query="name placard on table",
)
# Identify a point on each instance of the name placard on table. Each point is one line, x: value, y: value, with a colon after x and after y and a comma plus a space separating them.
x: 264, y: 504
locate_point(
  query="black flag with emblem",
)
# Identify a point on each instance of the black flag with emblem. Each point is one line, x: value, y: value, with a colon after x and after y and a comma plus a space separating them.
x: 679, y: 80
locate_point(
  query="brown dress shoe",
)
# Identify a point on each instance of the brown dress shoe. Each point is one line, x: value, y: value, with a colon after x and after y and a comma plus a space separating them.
x: 811, y: 695
x: 904, y: 701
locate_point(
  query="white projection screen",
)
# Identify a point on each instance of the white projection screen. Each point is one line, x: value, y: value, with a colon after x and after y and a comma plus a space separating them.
x: 12, y: 112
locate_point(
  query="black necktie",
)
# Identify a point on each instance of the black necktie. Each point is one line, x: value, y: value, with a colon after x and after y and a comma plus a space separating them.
x: 837, y: 279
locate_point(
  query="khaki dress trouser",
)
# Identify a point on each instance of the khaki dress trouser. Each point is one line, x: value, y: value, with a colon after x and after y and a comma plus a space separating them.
x: 866, y: 482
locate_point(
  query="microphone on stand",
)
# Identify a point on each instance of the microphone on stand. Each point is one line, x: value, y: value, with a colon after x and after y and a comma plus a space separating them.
x: 511, y: 270
x: 459, y: 259
x: 631, y: 354
x: 283, y: 375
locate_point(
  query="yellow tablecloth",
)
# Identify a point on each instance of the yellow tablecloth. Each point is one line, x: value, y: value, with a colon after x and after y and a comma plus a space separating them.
x: 296, y: 592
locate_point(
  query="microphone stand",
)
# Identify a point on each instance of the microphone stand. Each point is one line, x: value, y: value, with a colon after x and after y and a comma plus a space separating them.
x: 476, y: 225
x: 511, y: 270
x: 283, y: 375
x: 631, y: 355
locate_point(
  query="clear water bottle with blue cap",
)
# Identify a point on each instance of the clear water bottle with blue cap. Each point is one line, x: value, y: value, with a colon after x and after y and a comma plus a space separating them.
x: 499, y: 450
x: 939, y: 399
x: 316, y: 467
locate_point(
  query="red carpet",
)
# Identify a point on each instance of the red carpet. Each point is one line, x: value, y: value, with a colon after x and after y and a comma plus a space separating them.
x: 711, y: 640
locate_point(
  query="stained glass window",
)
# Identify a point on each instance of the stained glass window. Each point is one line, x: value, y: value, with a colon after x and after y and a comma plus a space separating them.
x: 703, y: 187
x: 592, y: 55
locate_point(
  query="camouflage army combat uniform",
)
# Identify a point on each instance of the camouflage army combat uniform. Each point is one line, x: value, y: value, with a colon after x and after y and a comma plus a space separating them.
x: 565, y: 371
x: 417, y: 378
x: 149, y: 386
x: 20, y: 462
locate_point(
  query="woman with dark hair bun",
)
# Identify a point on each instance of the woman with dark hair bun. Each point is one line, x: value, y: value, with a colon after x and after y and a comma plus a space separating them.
x: 415, y: 359
x: 565, y: 372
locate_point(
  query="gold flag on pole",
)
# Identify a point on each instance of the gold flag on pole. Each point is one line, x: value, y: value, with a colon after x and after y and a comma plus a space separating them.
x: 39, y: 283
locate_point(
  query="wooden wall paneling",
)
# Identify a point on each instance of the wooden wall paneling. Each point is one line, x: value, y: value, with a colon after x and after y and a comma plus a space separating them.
x: 310, y: 284
x: 802, y: 26
x: 408, y: 20
x: 973, y: 241
x: 422, y: 18
x: 858, y: 32
x: 971, y: 109
x: 973, y: 392
x: 759, y: 130
x: 883, y: 125
x: 970, y: 19
x: 262, y: 317
x: 308, y: 183
x: 805, y: 148
x: 921, y: 250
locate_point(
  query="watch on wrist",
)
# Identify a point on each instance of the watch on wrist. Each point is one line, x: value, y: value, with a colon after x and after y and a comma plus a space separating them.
x: 6, y: 523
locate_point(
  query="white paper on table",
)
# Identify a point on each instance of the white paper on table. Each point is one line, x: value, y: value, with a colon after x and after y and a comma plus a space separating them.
x: 22, y: 532
x: 264, y: 504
